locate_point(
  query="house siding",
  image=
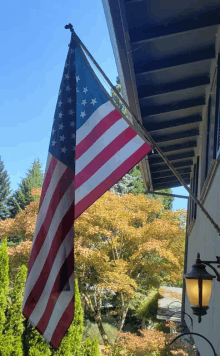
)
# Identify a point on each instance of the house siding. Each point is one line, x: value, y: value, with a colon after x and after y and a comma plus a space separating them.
x: 205, y: 239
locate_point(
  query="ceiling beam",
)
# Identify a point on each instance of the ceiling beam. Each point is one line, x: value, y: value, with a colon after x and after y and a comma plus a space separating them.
x: 167, y: 195
x: 146, y: 92
x: 164, y: 174
x: 142, y: 67
x: 173, y: 157
x: 164, y: 167
x: 176, y: 135
x: 159, y: 109
x: 167, y: 185
x: 172, y: 123
x: 169, y: 179
x: 178, y: 146
x: 174, y: 26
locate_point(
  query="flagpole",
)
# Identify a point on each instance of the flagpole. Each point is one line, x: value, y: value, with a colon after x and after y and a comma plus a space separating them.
x: 144, y: 132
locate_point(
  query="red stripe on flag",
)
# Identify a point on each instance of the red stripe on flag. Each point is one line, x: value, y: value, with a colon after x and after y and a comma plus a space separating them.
x: 63, y: 325
x: 109, y: 151
x: 62, y: 186
x: 97, y: 132
x: 47, y: 179
x: 59, y: 284
x: 63, y: 229
x: 113, y: 178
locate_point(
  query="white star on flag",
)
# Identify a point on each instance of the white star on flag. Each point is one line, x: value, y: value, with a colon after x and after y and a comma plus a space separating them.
x: 68, y: 88
x: 72, y: 124
x: 61, y: 127
x: 60, y: 91
x: 85, y: 90
x: 69, y: 100
x: 83, y: 114
x: 60, y: 103
x: 94, y: 102
x: 73, y: 136
x: 71, y: 112
x: 84, y: 102
x: 67, y: 76
x: 77, y: 90
x: 63, y: 149
x: 60, y: 115
x: 53, y: 131
x: 66, y: 64
x: 53, y: 143
x: 62, y: 138
x: 77, y: 78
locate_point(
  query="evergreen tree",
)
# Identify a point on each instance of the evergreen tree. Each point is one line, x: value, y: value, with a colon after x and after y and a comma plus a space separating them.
x: 15, y: 325
x: 132, y: 182
x: 71, y: 343
x: 22, y: 196
x: 4, y: 289
x: 90, y: 348
x: 115, y: 97
x: 35, y: 345
x: 4, y: 192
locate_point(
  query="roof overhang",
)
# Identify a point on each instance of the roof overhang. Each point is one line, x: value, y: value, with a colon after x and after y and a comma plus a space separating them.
x: 164, y: 50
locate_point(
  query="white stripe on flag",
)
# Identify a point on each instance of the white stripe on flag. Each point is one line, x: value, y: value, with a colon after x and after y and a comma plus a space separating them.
x: 49, y: 158
x: 110, y: 166
x: 36, y: 269
x: 57, y: 174
x: 94, y: 119
x: 65, y: 249
x: 100, y: 144
x: 60, y: 306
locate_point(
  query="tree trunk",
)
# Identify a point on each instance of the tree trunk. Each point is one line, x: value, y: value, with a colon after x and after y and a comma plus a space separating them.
x: 143, y: 324
x: 123, y: 314
x: 97, y: 316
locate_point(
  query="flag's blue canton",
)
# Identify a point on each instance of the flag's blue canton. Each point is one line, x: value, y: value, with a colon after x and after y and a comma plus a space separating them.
x: 63, y: 136
x: 89, y: 94
x: 79, y: 96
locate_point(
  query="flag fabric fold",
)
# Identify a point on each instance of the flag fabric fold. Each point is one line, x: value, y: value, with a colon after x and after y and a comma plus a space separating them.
x: 91, y: 148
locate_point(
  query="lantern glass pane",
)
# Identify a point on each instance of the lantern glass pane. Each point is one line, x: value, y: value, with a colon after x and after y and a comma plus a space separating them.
x: 192, y: 289
x: 206, y: 291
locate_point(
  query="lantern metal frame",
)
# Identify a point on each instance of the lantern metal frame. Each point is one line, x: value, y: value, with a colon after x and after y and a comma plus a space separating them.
x: 199, y: 272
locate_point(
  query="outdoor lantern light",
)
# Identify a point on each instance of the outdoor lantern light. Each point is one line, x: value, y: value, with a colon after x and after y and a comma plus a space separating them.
x: 199, y: 285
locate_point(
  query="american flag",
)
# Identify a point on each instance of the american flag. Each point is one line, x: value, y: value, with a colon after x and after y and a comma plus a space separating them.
x: 91, y: 148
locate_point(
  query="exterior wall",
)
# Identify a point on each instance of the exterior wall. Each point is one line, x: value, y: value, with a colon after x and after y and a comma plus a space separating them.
x: 204, y: 239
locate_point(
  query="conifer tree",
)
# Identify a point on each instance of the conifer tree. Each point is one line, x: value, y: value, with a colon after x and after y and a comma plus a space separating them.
x: 13, y: 342
x: 22, y: 196
x: 90, y: 348
x: 4, y: 287
x: 4, y: 192
x: 71, y: 343
x: 35, y: 345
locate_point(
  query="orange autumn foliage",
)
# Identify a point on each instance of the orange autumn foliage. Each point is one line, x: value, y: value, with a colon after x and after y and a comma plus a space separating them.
x: 151, y: 342
x: 116, y: 237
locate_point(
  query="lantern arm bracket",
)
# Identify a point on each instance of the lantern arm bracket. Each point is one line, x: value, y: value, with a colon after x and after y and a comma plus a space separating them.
x: 182, y: 312
x: 197, y: 334
x: 208, y: 263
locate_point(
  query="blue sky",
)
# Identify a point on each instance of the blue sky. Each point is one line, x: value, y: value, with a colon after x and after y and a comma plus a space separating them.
x: 34, y: 46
